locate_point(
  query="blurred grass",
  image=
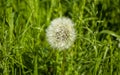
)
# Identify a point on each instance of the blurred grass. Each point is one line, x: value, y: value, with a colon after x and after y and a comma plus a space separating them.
x: 25, y: 51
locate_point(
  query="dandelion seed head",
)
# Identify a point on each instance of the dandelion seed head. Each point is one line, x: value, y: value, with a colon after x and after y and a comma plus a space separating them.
x: 61, y: 33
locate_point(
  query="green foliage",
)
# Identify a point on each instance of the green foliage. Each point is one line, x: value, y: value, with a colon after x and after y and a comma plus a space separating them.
x: 25, y: 51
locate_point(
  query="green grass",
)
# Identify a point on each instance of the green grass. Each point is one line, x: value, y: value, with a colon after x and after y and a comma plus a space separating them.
x: 24, y: 49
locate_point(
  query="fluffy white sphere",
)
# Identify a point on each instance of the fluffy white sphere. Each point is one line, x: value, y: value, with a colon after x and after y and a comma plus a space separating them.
x: 61, y: 33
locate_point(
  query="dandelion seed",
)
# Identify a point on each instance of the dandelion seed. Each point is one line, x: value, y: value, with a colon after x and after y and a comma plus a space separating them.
x: 61, y: 33
x: 118, y: 43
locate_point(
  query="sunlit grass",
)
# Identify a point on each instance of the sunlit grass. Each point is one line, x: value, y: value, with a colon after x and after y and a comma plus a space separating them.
x: 24, y: 49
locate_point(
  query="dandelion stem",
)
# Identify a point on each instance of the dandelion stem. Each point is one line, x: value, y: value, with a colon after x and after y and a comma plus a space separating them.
x: 63, y: 62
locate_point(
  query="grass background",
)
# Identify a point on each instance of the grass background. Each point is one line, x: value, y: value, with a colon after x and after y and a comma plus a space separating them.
x: 25, y: 51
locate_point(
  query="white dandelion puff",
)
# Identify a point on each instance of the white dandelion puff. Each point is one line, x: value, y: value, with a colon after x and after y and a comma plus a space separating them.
x: 61, y: 33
